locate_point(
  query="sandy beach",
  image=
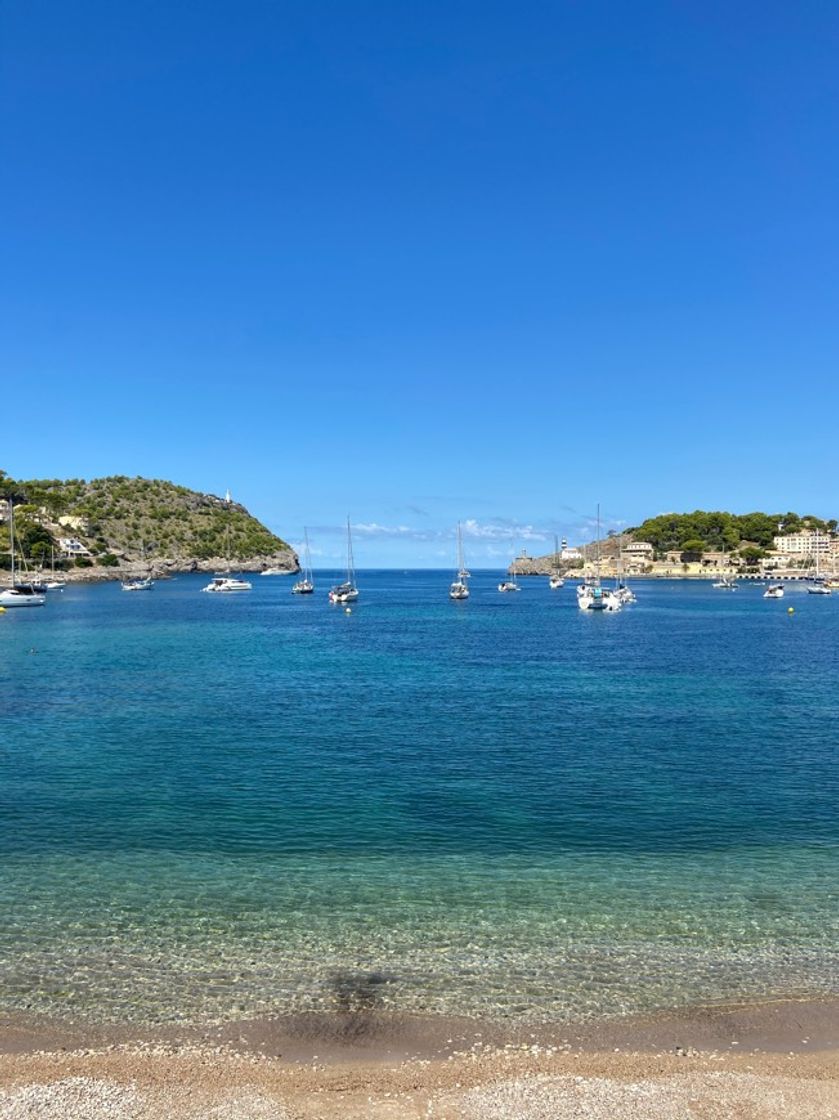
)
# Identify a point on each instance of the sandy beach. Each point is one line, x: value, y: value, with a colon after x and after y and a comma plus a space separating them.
x: 763, y: 1062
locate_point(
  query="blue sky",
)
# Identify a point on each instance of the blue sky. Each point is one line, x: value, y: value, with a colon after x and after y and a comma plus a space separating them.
x: 425, y: 262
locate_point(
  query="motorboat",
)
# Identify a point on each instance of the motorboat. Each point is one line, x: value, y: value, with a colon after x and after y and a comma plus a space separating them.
x: 725, y: 584
x: 223, y: 584
x: 776, y: 591
x: 138, y: 584
x: 275, y: 572
x: 508, y: 585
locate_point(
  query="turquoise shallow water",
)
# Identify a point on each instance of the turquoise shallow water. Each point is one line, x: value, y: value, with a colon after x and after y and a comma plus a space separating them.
x: 215, y: 806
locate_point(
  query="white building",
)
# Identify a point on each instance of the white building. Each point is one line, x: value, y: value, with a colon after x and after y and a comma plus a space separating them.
x: 810, y: 542
x: 639, y: 550
x: 570, y: 554
x: 71, y: 547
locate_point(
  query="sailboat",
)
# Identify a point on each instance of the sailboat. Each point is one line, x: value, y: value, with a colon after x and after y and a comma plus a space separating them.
x: 19, y: 594
x: 556, y: 579
x: 623, y: 592
x: 820, y: 585
x: 346, y: 592
x: 54, y: 583
x: 459, y: 588
x: 591, y: 596
x: 510, y: 584
x: 306, y: 585
x: 724, y: 583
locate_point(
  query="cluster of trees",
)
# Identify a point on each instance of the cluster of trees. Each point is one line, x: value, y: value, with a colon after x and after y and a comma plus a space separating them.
x: 704, y: 531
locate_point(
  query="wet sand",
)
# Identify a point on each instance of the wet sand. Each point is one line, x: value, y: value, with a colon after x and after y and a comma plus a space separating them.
x: 770, y: 1061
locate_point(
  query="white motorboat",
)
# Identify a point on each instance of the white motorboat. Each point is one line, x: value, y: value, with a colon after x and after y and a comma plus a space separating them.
x: 275, y: 572
x: 776, y: 591
x: 306, y: 585
x: 18, y: 594
x: 138, y: 584
x: 346, y: 592
x: 223, y: 584
x: 725, y: 584
x: 459, y: 589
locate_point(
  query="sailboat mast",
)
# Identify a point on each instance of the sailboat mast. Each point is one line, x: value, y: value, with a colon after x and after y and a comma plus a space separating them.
x: 350, y: 565
x: 597, y: 549
x: 307, y: 558
x: 12, y: 536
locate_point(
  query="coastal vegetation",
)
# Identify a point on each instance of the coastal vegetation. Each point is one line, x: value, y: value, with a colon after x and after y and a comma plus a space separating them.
x: 707, y: 531
x: 123, y: 520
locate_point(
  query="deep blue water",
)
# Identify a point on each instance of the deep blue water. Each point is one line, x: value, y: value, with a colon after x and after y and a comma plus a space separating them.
x: 214, y: 805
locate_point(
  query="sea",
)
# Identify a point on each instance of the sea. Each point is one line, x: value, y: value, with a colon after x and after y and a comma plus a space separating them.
x: 214, y: 807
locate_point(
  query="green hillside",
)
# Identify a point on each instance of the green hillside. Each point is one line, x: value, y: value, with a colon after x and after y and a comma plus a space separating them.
x: 134, y: 519
x: 718, y: 530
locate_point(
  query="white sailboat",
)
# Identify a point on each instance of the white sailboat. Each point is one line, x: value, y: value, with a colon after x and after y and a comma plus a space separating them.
x: 346, y: 592
x: 556, y: 581
x: 510, y: 584
x: 820, y: 585
x: 623, y: 591
x: 724, y: 583
x: 591, y: 596
x: 306, y: 585
x: 54, y: 583
x: 459, y: 589
x: 18, y: 594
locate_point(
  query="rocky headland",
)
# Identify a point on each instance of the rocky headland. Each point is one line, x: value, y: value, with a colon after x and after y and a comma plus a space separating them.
x: 118, y: 527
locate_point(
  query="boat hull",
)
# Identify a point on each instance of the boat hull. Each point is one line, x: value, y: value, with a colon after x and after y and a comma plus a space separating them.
x: 16, y: 599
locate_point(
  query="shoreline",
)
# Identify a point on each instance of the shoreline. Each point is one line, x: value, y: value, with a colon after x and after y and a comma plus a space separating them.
x: 780, y: 1025
x: 772, y: 1060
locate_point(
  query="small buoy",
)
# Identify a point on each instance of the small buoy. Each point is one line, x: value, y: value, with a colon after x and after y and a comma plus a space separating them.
x: 790, y: 610
x: 2, y: 610
x: 347, y: 610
